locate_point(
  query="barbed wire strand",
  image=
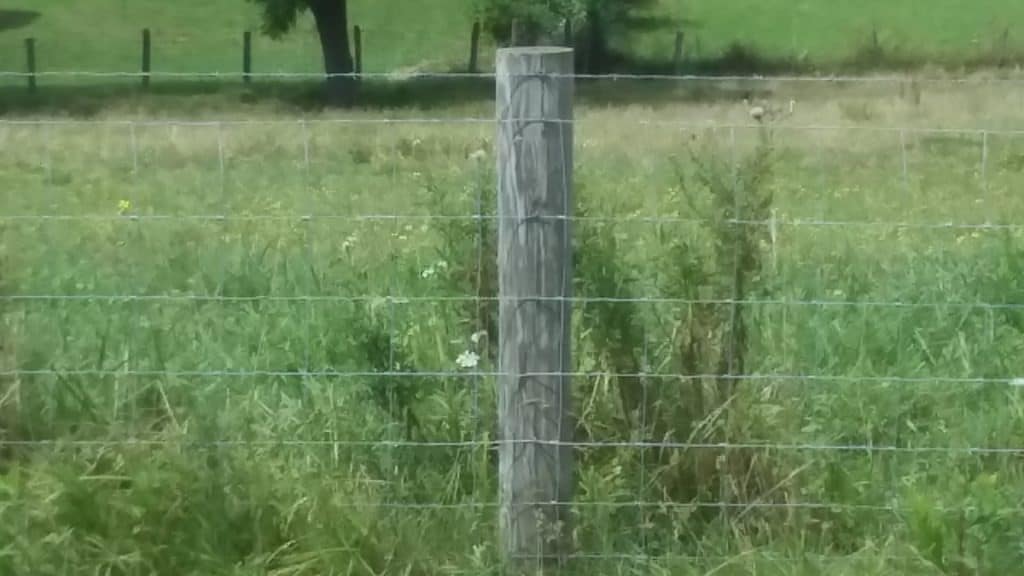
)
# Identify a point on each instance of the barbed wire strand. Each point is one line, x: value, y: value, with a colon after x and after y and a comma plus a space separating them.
x: 1012, y: 381
x: 614, y: 77
x: 867, y: 449
x: 625, y: 220
x: 410, y: 300
x: 470, y: 120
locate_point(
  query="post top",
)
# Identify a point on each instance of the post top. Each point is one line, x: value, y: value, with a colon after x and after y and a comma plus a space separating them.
x: 534, y: 50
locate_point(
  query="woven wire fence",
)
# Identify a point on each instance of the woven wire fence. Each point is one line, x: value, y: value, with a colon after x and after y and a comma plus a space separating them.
x: 321, y: 293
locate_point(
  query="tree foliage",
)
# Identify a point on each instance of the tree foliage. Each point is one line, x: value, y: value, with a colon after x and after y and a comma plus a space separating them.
x: 598, y: 23
x: 280, y: 16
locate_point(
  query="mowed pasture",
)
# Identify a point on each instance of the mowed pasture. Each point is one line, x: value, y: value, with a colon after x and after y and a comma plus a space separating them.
x: 247, y: 346
x: 194, y: 36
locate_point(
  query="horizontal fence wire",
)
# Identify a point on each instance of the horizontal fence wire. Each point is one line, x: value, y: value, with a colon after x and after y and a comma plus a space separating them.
x: 669, y: 506
x: 795, y: 223
x: 816, y: 79
x: 466, y: 374
x: 477, y: 120
x: 411, y: 300
x: 496, y: 444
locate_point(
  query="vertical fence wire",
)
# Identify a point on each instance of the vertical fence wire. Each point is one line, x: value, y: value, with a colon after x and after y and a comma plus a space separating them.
x: 392, y: 277
x: 985, y: 198
x: 308, y: 227
x: 481, y: 338
x: 903, y: 163
x: 564, y: 143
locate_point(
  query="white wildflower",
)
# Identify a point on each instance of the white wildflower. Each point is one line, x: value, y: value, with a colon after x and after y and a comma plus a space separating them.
x: 468, y: 359
x: 477, y: 336
x: 349, y: 242
x: 478, y: 155
x: 432, y: 270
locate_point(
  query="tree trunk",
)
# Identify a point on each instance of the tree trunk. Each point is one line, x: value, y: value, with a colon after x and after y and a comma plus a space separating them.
x: 597, y: 41
x: 332, y: 25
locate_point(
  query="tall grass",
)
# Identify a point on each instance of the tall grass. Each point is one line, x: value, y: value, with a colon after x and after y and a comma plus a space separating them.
x: 268, y: 409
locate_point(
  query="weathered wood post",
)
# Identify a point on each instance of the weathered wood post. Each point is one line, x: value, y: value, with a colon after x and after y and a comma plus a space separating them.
x: 30, y: 63
x: 535, y: 180
x: 146, y: 57
x: 247, y: 57
x: 474, y: 48
x: 567, y: 33
x: 514, y: 33
x: 677, y: 56
x: 357, y: 40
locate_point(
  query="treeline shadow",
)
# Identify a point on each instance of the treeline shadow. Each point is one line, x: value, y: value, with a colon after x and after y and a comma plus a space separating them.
x: 11, y: 19
x: 720, y: 79
x: 437, y: 96
x: 224, y: 96
x: 739, y: 59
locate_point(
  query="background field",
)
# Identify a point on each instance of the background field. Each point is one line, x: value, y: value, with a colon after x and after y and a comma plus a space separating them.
x: 231, y: 322
x: 199, y: 36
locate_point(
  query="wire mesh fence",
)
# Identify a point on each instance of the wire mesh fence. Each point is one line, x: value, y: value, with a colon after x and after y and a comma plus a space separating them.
x: 793, y: 340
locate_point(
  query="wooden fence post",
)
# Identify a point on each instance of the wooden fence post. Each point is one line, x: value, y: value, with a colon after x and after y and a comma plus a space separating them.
x: 567, y: 34
x: 677, y: 56
x: 535, y: 179
x: 514, y: 33
x: 247, y: 57
x: 30, y: 63
x: 146, y: 57
x: 474, y: 48
x: 357, y: 40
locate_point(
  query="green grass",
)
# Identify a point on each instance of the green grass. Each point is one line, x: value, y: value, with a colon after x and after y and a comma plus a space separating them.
x: 206, y: 426
x: 197, y: 36
x: 829, y: 32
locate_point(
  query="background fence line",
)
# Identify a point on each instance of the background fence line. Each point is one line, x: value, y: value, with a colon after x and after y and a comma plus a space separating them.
x: 1010, y: 79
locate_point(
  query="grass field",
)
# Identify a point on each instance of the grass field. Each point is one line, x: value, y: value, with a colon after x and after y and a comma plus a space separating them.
x: 188, y: 394
x: 197, y: 36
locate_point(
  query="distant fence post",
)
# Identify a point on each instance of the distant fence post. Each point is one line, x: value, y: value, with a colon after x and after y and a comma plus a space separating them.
x: 474, y: 48
x: 247, y: 57
x: 357, y: 40
x: 535, y: 180
x: 146, y: 57
x: 567, y: 34
x: 30, y: 63
x: 514, y: 33
x: 677, y: 56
